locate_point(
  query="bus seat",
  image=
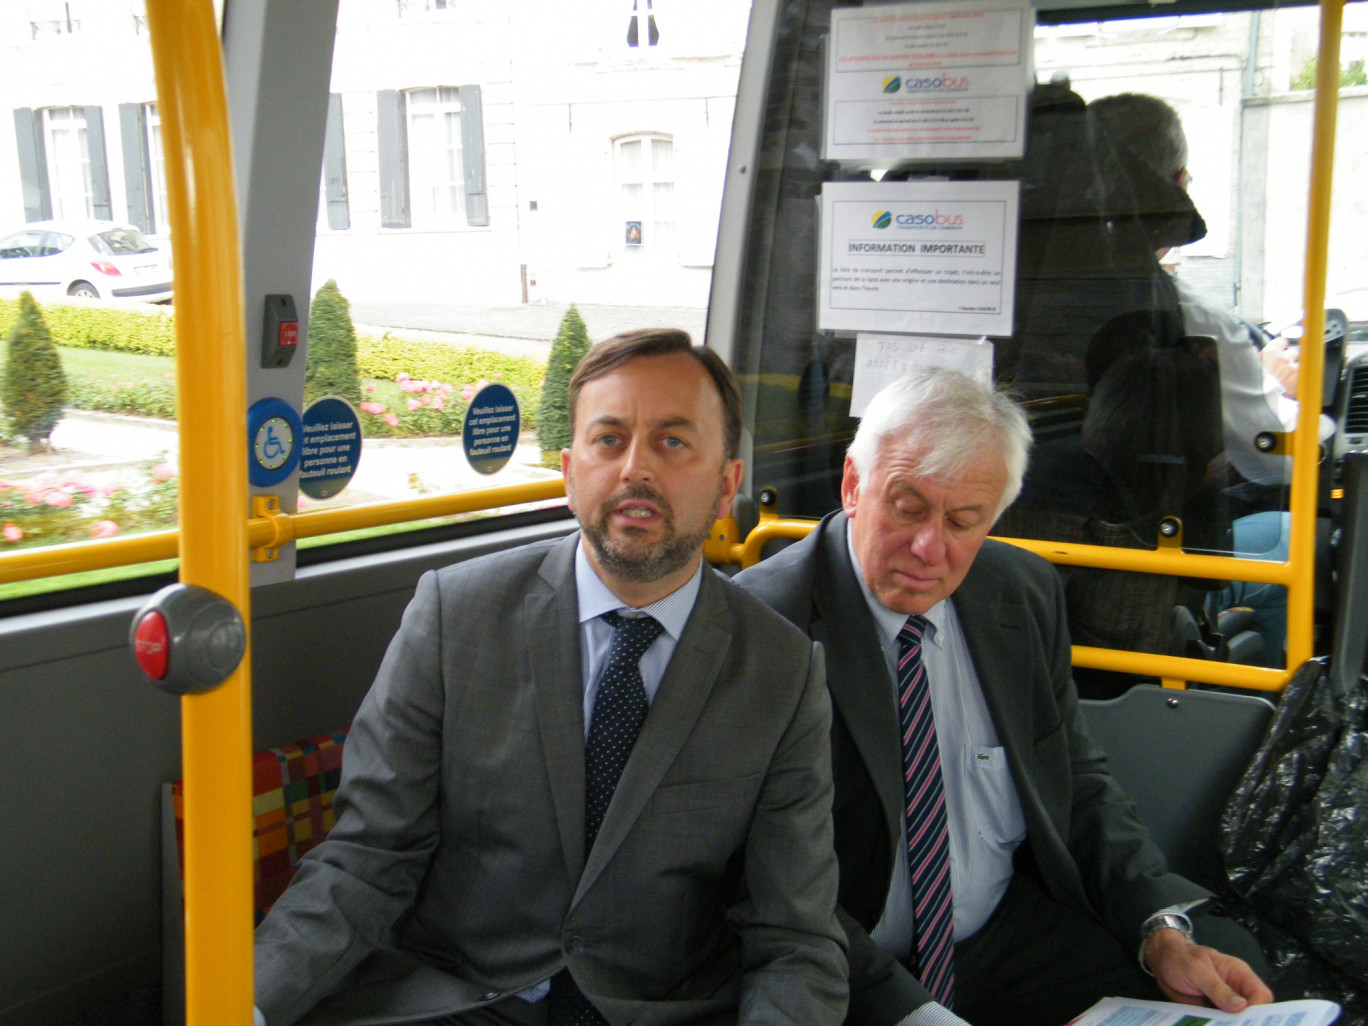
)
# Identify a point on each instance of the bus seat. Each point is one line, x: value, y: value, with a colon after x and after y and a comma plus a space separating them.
x: 292, y: 810
x: 1179, y: 755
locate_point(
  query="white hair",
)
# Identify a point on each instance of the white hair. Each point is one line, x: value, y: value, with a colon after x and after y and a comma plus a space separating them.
x: 950, y: 418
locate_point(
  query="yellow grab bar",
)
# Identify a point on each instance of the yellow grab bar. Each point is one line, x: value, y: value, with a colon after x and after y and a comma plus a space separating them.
x: 54, y: 560
x: 216, y: 738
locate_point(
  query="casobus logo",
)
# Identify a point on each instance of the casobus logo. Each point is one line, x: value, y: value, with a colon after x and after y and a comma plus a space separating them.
x: 892, y: 83
x: 935, y: 83
x: 936, y: 218
x: 882, y: 219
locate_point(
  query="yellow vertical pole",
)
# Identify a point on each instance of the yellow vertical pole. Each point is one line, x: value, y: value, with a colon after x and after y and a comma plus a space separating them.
x: 210, y: 373
x: 1305, y: 468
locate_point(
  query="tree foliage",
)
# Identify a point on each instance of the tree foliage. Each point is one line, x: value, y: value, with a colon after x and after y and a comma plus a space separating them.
x: 332, y: 368
x: 34, y: 387
x: 553, y: 419
x: 1351, y: 74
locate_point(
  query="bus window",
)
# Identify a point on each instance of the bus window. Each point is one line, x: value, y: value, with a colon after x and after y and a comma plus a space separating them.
x: 1163, y: 190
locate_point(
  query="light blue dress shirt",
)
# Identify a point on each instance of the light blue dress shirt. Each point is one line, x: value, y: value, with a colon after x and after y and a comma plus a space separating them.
x: 983, y: 811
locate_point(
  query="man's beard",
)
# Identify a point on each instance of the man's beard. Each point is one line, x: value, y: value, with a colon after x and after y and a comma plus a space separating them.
x: 629, y: 562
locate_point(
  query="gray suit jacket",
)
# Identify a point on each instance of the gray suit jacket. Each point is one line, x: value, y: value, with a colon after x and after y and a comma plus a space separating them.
x: 456, y: 874
x: 1083, y: 831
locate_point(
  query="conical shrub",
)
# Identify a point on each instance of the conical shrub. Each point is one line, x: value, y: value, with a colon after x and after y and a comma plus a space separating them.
x: 553, y: 418
x: 332, y: 368
x: 34, y: 388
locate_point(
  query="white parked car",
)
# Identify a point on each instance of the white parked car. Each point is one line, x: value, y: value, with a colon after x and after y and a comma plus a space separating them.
x: 88, y: 259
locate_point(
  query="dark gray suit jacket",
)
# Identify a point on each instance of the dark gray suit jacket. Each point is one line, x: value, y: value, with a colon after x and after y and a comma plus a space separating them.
x: 1086, y: 838
x: 457, y: 875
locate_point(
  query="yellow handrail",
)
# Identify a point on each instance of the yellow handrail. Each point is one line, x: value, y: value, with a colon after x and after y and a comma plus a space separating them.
x: 216, y: 739
x: 1171, y: 670
x: 1302, y: 543
x: 54, y: 560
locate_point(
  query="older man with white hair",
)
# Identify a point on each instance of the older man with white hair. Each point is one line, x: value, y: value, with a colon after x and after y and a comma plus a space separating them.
x: 992, y: 871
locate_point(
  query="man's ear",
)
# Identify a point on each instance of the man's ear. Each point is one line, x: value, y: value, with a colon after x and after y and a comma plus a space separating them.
x: 565, y: 475
x: 850, y: 487
x: 731, y: 483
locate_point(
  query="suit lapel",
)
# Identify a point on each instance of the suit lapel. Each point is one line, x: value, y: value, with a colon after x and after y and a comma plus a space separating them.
x: 552, y: 635
x: 679, y: 701
x: 994, y: 633
x: 857, y: 673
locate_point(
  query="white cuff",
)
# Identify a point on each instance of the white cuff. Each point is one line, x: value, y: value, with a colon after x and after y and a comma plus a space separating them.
x: 257, y: 1018
x: 932, y: 1014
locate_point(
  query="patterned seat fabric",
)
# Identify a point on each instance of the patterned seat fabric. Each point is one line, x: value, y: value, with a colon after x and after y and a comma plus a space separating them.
x: 292, y: 808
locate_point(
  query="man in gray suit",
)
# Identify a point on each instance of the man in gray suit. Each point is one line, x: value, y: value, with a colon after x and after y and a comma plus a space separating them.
x: 989, y: 862
x: 488, y: 864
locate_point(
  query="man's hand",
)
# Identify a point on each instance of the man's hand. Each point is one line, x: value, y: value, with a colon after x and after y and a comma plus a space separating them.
x: 1281, y: 361
x: 1192, y: 974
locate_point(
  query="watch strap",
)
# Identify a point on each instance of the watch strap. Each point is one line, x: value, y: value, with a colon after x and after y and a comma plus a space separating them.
x: 1173, y: 918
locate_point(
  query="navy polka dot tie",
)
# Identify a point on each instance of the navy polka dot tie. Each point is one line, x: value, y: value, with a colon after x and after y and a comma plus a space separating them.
x: 928, y: 837
x: 619, y: 711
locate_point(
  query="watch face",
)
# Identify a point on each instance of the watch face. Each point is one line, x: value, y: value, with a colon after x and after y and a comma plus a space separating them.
x: 273, y: 443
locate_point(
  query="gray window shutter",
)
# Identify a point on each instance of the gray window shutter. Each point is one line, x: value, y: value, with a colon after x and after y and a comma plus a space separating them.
x: 28, y: 127
x: 101, y: 207
x: 136, y: 161
x: 472, y: 154
x: 392, y: 144
x: 335, y: 167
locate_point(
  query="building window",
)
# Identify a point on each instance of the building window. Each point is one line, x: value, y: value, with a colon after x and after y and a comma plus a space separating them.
x: 68, y: 160
x: 156, y: 169
x: 641, y: 24
x: 436, y: 172
x: 644, y: 168
x: 430, y: 145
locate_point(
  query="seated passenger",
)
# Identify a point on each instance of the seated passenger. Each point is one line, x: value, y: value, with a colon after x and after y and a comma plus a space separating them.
x: 1253, y: 381
x: 1150, y: 448
x: 487, y: 866
x: 992, y: 871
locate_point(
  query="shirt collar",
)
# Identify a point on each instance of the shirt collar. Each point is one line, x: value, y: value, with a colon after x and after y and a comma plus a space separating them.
x: 887, y: 621
x: 595, y: 597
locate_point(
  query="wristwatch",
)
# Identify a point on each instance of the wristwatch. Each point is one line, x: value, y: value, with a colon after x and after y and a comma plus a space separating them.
x: 1175, y: 917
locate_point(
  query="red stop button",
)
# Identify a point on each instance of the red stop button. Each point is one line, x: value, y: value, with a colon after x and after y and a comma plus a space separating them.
x: 289, y: 333
x: 151, y: 645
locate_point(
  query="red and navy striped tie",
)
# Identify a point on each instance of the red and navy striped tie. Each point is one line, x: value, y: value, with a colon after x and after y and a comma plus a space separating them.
x: 928, y: 838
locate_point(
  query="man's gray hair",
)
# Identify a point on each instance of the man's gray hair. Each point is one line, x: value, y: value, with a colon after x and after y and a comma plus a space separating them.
x: 1145, y: 125
x: 950, y: 418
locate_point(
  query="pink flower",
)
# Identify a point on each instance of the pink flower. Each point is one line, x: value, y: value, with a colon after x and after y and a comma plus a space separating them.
x: 104, y: 529
x: 391, y: 420
x: 498, y: 375
x: 468, y: 393
x: 303, y: 502
x: 163, y: 471
x: 372, y: 408
x: 12, y: 533
x: 59, y: 499
x: 401, y: 377
x: 370, y: 388
x: 169, y: 377
x: 413, y: 404
x: 438, y: 403
x: 34, y: 498
x: 408, y: 386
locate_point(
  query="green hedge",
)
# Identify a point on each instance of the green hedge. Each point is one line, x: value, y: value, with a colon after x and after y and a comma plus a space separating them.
x: 150, y: 331
x: 390, y: 355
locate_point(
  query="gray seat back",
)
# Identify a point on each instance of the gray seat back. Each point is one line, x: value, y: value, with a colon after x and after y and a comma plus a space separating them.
x: 1179, y: 755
